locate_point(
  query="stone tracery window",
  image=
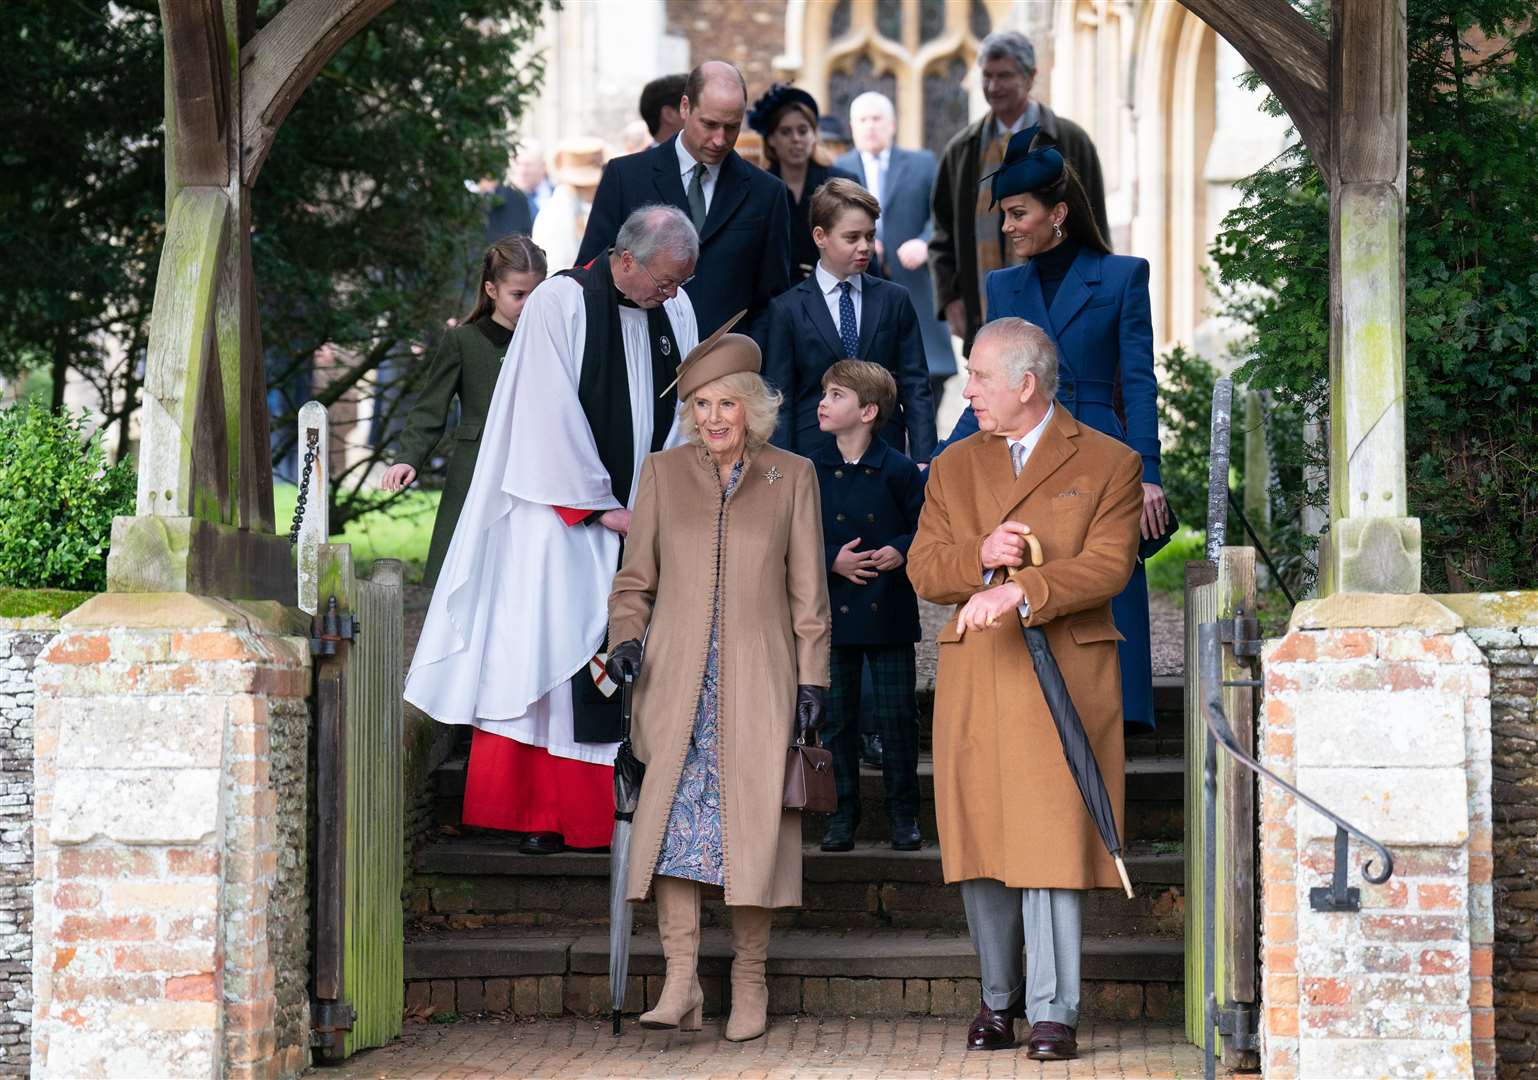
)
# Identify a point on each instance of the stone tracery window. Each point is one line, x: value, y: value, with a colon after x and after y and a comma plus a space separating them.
x: 919, y: 53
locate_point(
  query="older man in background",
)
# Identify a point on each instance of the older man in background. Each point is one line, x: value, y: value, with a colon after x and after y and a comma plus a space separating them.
x: 903, y: 182
x: 968, y: 243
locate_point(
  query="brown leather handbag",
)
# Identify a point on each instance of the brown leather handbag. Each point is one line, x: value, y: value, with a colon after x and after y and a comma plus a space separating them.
x: 809, y: 777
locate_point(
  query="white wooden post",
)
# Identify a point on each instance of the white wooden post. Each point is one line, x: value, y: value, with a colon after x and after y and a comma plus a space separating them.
x: 315, y: 524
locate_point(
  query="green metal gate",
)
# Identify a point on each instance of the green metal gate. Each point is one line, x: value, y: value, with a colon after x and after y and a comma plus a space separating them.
x: 360, y: 810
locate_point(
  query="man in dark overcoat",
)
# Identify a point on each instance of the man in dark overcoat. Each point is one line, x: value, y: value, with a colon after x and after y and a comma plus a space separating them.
x: 968, y: 242
x: 742, y: 214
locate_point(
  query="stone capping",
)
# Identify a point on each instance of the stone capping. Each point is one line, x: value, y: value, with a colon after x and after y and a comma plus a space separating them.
x: 21, y: 640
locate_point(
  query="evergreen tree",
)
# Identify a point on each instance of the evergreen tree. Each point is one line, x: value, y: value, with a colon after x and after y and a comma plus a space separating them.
x: 1471, y: 294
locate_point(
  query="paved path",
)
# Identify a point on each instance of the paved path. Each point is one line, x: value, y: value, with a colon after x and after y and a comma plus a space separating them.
x: 794, y: 1047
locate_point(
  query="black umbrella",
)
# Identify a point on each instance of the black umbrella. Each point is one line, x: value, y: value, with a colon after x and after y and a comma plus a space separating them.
x: 628, y: 774
x: 1070, y: 730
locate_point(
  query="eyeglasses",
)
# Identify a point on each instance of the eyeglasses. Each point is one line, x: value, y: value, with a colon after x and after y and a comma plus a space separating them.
x: 670, y: 288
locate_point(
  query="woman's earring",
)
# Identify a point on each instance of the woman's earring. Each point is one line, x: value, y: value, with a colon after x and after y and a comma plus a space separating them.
x: 1057, y: 230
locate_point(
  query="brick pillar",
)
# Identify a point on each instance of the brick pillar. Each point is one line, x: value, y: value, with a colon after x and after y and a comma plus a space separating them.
x: 1378, y: 707
x: 170, y: 925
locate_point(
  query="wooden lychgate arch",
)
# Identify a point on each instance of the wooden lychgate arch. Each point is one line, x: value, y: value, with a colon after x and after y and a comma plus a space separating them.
x: 204, y: 518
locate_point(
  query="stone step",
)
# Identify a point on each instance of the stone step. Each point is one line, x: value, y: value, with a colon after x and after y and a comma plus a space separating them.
x: 483, y: 880
x: 862, y: 973
x: 1155, y: 790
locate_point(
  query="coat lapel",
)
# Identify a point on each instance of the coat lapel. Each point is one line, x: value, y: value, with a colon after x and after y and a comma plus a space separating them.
x: 668, y: 178
x: 1033, y: 308
x: 731, y: 189
x: 1075, y: 291
x: 1054, y: 449
x: 815, y: 307
x: 870, y: 314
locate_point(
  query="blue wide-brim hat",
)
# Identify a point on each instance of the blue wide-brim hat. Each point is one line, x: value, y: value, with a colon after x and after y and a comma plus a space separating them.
x: 1024, y: 169
x: 762, y: 115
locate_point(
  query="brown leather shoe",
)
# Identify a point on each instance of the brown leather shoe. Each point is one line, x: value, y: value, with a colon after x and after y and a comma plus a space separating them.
x: 992, y: 1030
x: 1051, y: 1041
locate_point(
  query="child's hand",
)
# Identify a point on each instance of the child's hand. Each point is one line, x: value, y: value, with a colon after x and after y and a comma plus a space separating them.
x: 886, y: 558
x: 397, y: 476
x: 854, y: 565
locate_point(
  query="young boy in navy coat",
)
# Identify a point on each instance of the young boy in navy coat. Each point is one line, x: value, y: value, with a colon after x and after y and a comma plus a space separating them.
x: 871, y: 498
x: 842, y: 311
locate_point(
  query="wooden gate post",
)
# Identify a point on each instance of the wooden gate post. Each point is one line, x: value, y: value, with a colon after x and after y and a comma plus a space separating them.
x: 203, y: 521
x: 1346, y: 94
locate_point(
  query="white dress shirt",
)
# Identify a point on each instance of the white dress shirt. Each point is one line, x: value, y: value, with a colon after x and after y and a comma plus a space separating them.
x: 1029, y: 441
x: 831, y: 293
x: 686, y: 164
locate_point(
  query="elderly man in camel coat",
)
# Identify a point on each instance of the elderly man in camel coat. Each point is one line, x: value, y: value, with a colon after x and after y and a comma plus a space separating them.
x: 1013, y: 827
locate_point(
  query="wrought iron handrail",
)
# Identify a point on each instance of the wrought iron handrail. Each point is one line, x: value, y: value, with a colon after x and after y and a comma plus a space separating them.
x: 1335, y: 897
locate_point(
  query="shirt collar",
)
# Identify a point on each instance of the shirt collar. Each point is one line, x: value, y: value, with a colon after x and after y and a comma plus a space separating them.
x: 884, y: 158
x: 1032, y: 437
x: 828, y: 284
x: 1032, y: 115
x: 686, y: 160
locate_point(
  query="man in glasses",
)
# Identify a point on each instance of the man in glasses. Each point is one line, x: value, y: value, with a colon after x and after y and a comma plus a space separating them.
x: 579, y: 403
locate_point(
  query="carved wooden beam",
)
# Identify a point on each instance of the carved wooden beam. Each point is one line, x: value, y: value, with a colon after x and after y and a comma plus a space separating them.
x: 197, y: 94
x: 1287, y: 53
x: 281, y: 60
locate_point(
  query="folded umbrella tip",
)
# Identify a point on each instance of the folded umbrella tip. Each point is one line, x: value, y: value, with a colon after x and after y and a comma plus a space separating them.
x: 1121, y: 868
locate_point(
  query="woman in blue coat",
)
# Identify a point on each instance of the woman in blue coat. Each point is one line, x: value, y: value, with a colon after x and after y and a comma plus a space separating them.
x: 1095, y: 306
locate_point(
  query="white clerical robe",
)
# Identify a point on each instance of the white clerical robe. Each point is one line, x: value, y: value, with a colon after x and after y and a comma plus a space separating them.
x: 521, y: 604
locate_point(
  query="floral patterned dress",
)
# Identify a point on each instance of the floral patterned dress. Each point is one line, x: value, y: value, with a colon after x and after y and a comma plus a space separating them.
x: 691, y: 847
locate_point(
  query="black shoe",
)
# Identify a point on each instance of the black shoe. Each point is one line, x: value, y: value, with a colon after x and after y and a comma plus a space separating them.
x: 870, y: 751
x: 543, y: 843
x: 838, y: 836
x: 906, y: 836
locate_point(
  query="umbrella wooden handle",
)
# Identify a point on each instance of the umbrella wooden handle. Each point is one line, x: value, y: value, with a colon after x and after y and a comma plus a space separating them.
x: 1035, y: 545
x: 1121, y: 868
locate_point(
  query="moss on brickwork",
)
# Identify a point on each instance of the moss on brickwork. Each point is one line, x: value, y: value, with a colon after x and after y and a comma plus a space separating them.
x: 25, y: 603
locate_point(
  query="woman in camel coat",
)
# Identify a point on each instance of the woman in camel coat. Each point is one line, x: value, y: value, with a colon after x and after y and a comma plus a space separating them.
x: 724, y: 579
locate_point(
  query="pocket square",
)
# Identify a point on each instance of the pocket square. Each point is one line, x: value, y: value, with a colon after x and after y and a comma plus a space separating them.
x: 1071, y: 493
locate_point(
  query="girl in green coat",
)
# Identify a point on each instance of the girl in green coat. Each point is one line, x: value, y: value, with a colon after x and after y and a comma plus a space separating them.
x: 466, y: 364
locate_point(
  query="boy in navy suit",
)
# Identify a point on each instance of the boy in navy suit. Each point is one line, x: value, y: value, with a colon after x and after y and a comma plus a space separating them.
x: 842, y: 311
x: 871, y: 498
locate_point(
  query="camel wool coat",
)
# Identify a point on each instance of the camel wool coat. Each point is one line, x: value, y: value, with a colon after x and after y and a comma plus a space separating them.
x: 1007, y: 804
x: 774, y: 634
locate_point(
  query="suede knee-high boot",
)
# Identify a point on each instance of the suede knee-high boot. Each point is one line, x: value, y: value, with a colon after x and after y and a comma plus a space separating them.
x: 750, y: 991
x: 682, y: 1001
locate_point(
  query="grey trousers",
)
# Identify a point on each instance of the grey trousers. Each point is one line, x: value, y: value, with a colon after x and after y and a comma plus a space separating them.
x: 1045, y: 924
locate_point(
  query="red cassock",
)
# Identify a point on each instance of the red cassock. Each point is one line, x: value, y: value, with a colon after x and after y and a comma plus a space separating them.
x: 521, y: 788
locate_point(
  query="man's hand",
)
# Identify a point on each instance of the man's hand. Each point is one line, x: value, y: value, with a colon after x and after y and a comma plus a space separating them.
x: 1004, y: 546
x: 616, y: 521
x: 855, y: 565
x: 886, y: 558
x: 956, y: 315
x: 913, y: 254
x: 1156, y: 512
x: 986, y: 608
x: 397, y: 476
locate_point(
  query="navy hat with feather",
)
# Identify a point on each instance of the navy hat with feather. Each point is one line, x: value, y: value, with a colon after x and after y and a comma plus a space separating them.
x: 762, y: 115
x: 1025, y: 169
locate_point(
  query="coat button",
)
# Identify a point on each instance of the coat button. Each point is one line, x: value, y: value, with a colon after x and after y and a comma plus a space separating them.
x: 838, y: 474
x: 873, y: 606
x: 870, y: 517
x: 869, y: 471
x: 838, y: 517
x: 843, y: 609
